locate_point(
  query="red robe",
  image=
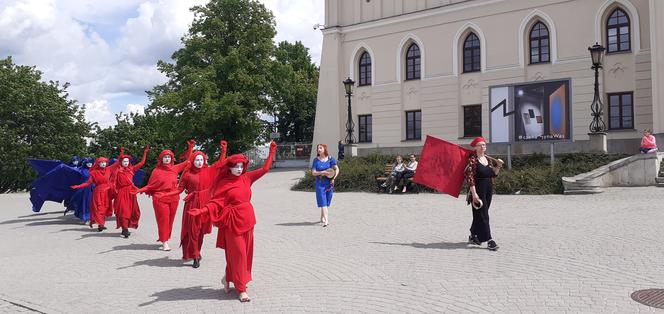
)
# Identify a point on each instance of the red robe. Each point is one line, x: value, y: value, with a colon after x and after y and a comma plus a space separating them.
x: 102, y: 193
x: 127, y: 211
x: 163, y: 182
x: 230, y: 209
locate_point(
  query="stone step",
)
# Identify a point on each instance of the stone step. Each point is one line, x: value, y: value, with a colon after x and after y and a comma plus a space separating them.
x: 661, y: 185
x: 659, y: 179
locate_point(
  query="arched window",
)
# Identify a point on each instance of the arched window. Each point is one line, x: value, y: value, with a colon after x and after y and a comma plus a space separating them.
x: 618, y: 32
x: 365, y: 69
x: 413, y: 62
x: 539, y: 43
x: 471, y: 53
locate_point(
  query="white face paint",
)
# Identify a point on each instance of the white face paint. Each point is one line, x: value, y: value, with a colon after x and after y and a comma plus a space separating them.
x: 125, y: 162
x: 75, y: 162
x: 166, y: 160
x: 198, y: 161
x: 102, y: 164
x: 89, y: 165
x: 237, y: 169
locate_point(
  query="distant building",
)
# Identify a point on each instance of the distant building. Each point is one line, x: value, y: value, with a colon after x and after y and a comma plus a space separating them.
x: 439, y: 67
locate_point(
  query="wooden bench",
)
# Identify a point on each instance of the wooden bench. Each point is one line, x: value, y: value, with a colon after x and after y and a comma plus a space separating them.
x: 382, y: 178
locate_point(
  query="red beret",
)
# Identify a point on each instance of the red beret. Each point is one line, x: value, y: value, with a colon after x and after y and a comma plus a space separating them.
x: 477, y: 140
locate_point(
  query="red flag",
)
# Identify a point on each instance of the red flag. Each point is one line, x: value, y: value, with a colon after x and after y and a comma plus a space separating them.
x: 441, y: 166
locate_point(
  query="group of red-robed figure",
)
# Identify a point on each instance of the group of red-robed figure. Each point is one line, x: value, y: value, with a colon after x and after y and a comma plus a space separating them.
x: 215, y: 196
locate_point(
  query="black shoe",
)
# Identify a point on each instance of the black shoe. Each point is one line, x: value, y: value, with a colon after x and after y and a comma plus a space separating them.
x: 101, y: 228
x: 472, y: 239
x: 491, y: 245
x: 197, y: 263
x: 125, y: 233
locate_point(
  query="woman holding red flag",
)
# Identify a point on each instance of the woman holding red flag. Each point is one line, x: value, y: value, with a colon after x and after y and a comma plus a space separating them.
x: 230, y: 209
x: 196, y: 182
x: 100, y: 175
x: 163, y: 182
x: 480, y: 173
x: 126, y: 205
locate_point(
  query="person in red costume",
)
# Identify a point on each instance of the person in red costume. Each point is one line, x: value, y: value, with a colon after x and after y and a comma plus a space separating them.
x: 100, y: 175
x: 230, y: 209
x: 163, y: 181
x: 127, y: 211
x: 196, y: 182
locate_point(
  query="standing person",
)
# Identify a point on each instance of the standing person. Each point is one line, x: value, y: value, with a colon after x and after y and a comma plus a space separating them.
x: 230, y: 209
x: 341, y: 153
x: 100, y: 174
x: 127, y: 211
x: 320, y: 168
x: 480, y: 173
x: 648, y: 142
x: 196, y: 182
x: 409, y: 172
x: 163, y: 181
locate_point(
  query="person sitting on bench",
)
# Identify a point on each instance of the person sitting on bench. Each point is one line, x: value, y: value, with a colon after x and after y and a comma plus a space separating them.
x: 408, y: 173
x: 397, y: 169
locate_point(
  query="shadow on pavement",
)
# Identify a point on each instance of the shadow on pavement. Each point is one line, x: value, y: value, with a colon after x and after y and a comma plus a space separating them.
x: 157, y: 262
x: 40, y: 214
x: 65, y: 221
x: 191, y: 293
x: 130, y: 247
x: 103, y: 234
x: 85, y: 228
x: 298, y: 224
x: 439, y: 245
x: 15, y: 221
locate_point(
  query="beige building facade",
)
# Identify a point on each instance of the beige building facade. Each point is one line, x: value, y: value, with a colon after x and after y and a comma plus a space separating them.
x: 436, y: 67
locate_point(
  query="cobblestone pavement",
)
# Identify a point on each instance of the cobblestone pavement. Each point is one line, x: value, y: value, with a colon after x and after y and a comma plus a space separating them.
x: 381, y: 253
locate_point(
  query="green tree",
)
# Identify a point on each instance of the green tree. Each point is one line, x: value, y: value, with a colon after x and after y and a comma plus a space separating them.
x: 37, y: 120
x: 219, y: 81
x: 294, y: 92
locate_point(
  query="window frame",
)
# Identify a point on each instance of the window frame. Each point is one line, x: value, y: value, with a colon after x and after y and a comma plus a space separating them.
x: 413, y: 63
x: 412, y: 135
x: 368, y: 128
x: 475, y: 54
x: 621, y: 115
x: 617, y: 27
x: 467, y: 134
x: 364, y: 80
x: 539, y: 47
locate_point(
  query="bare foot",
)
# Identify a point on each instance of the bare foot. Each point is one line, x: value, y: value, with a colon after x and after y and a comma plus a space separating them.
x: 244, y: 297
x: 227, y: 287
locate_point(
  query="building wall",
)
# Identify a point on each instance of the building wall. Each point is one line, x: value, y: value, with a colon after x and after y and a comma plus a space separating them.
x: 386, y: 28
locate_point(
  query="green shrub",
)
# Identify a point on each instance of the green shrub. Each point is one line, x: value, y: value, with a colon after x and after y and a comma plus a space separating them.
x: 530, y: 174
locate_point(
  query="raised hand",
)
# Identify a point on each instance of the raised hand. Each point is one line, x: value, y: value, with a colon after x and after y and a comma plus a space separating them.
x: 146, y: 149
x: 273, y: 146
x: 191, y: 142
x: 223, y: 144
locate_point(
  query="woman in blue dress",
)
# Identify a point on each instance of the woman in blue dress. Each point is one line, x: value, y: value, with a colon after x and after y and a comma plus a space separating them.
x: 324, y: 184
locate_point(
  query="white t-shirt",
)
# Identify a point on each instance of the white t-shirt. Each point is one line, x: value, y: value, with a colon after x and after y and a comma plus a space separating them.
x: 412, y: 166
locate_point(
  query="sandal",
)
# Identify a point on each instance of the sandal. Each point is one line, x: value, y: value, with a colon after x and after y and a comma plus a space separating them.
x: 227, y: 287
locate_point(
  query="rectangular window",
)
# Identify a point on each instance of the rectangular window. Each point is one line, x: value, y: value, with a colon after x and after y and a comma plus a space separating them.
x: 413, y: 125
x: 364, y: 122
x: 472, y: 121
x: 621, y: 111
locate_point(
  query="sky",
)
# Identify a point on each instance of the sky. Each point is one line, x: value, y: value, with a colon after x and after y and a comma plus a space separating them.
x: 108, y: 49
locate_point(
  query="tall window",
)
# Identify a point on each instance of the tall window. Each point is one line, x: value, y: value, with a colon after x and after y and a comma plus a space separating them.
x: 365, y: 69
x: 618, y: 32
x: 413, y: 125
x: 621, y: 111
x: 471, y: 53
x: 413, y: 62
x: 472, y: 121
x: 365, y: 128
x: 539, y: 43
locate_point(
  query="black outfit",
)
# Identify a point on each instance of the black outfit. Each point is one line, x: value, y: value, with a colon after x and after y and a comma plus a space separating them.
x: 483, y: 186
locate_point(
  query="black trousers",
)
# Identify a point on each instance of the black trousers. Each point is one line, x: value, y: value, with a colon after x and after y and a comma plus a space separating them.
x: 404, y: 176
x: 480, y: 225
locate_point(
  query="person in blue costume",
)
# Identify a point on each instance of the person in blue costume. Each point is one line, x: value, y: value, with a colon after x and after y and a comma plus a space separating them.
x: 80, y: 200
x: 325, y: 169
x: 53, y: 185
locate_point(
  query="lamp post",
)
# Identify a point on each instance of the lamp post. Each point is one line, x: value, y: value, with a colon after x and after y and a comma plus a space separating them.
x: 597, y: 125
x: 348, y: 85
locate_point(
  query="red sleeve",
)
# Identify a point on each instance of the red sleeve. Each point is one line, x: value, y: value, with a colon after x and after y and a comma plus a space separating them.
x: 258, y: 173
x: 140, y: 164
x: 85, y: 184
x: 181, y: 166
x: 469, y: 172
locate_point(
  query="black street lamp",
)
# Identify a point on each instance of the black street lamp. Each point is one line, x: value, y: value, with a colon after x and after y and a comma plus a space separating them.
x: 597, y: 125
x: 348, y: 85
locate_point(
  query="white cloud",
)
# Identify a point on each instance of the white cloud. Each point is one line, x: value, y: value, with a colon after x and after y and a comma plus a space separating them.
x: 98, y: 111
x: 135, y: 108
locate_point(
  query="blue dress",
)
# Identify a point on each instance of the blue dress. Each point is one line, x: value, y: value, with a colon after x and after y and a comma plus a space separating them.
x: 324, y: 189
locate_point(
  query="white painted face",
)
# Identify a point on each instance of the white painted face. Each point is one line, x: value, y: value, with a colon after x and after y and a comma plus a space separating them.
x: 102, y: 164
x: 75, y: 162
x: 125, y: 162
x: 198, y: 161
x: 166, y: 160
x: 237, y: 169
x: 89, y: 165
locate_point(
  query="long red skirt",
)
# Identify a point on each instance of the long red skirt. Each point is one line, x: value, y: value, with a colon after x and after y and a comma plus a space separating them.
x: 194, y: 228
x: 239, y: 251
x: 101, y: 202
x: 164, y: 211
x: 127, y: 211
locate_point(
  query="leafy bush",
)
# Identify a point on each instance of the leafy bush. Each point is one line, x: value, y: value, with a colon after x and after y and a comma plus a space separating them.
x: 530, y: 174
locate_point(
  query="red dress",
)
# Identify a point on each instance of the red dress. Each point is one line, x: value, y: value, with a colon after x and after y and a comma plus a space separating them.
x: 230, y: 209
x: 163, y: 182
x: 127, y: 211
x: 102, y: 193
